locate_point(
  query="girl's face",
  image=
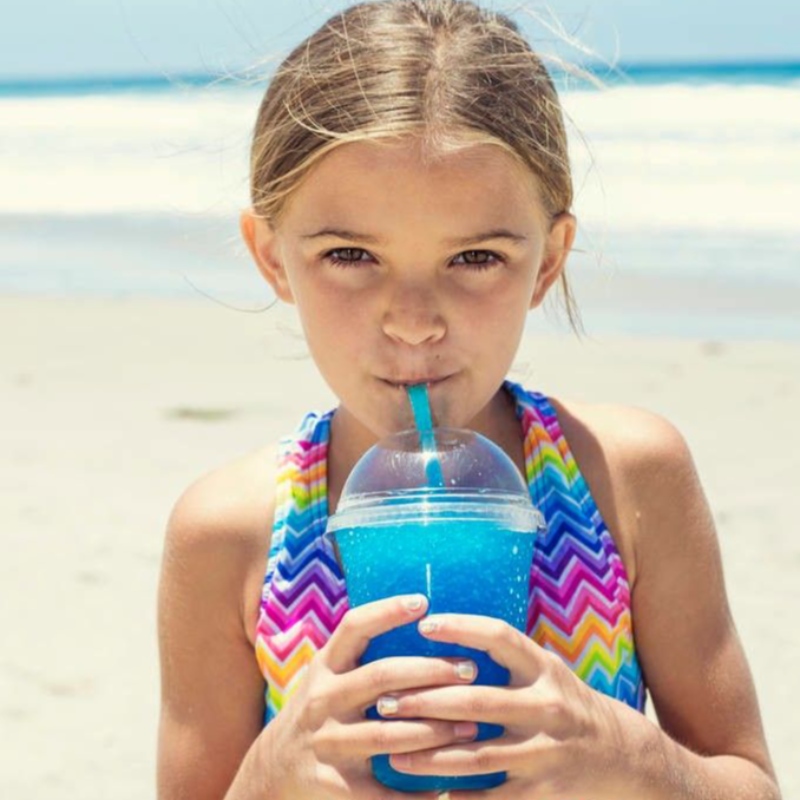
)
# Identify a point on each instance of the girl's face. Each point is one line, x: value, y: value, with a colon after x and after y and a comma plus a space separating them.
x: 408, y: 272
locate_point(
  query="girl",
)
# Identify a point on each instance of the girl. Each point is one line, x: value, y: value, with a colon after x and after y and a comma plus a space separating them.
x: 411, y: 195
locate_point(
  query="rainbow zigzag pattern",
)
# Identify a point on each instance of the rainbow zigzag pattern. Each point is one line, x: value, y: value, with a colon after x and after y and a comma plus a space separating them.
x: 579, y: 601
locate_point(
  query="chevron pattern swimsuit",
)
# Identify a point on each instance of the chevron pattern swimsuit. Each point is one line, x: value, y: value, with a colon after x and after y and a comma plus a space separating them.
x: 579, y: 599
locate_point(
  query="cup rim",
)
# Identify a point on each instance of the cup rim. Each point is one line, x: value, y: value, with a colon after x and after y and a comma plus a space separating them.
x: 386, y: 508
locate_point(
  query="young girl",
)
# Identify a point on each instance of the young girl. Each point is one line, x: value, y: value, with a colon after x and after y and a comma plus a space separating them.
x: 411, y: 196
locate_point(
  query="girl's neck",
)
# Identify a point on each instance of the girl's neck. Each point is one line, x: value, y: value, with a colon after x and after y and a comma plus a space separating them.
x: 349, y: 440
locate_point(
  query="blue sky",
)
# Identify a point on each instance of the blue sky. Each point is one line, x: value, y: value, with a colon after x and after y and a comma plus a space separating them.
x: 51, y: 38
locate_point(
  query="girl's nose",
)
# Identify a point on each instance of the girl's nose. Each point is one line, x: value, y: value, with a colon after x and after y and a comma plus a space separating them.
x: 412, y: 317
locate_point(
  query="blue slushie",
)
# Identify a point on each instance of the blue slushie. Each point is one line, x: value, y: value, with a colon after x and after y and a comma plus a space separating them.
x: 468, y: 566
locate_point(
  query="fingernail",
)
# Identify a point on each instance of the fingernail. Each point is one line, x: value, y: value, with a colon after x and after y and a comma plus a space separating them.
x: 466, y: 670
x: 387, y: 706
x: 428, y: 626
x: 443, y: 796
x: 465, y: 731
x: 414, y: 603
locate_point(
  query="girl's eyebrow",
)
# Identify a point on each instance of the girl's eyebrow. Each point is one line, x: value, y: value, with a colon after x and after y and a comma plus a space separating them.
x: 341, y: 233
x: 352, y: 236
x: 499, y: 233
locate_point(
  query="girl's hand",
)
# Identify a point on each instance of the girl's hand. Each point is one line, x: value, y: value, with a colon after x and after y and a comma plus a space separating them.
x: 562, y: 739
x: 320, y: 744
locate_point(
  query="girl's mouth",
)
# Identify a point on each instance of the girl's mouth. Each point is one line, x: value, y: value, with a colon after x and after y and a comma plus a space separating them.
x: 404, y: 384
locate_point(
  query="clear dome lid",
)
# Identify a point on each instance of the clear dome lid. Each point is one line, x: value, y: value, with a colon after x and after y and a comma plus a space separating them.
x: 466, y: 476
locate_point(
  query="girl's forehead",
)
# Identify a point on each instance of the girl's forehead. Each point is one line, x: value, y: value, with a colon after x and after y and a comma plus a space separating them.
x: 371, y: 175
x: 411, y: 157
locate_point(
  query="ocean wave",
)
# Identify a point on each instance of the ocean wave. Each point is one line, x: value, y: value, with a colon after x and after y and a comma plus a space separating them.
x: 704, y: 157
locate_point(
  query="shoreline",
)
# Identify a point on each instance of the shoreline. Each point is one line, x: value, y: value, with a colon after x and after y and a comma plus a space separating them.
x: 654, y: 283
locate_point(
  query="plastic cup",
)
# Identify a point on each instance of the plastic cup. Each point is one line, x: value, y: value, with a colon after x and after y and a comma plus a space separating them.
x: 467, y: 546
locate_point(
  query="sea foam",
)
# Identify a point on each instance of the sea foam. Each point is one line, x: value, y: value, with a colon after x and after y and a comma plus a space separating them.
x: 659, y: 157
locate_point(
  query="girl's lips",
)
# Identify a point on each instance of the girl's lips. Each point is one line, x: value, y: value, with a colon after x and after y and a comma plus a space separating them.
x: 404, y: 384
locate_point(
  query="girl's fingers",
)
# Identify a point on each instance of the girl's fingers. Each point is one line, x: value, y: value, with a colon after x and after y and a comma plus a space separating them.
x: 376, y: 737
x: 510, y: 648
x: 359, y: 625
x: 497, y: 705
x: 476, y: 758
x: 361, y: 687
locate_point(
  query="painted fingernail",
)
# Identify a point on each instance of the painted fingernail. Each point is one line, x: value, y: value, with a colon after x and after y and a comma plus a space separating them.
x: 414, y: 603
x: 387, y: 706
x: 428, y: 626
x: 466, y: 670
x: 465, y: 731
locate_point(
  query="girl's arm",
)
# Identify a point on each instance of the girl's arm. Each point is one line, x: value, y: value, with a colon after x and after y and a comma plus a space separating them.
x: 211, y: 688
x: 693, y: 661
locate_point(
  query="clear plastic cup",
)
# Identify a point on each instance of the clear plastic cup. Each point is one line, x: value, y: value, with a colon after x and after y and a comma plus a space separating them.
x: 467, y: 545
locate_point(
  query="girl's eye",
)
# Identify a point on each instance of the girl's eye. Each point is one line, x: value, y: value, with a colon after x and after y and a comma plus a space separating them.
x: 478, y: 259
x: 346, y: 256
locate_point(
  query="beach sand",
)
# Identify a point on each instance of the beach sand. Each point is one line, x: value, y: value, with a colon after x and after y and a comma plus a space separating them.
x: 111, y: 408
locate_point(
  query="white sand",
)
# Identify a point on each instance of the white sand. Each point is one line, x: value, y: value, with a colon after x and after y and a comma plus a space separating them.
x: 94, y: 456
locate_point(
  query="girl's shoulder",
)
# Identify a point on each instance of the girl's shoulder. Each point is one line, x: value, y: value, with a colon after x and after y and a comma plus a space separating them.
x: 220, y: 529
x: 634, y: 461
x: 215, y: 552
x: 631, y: 434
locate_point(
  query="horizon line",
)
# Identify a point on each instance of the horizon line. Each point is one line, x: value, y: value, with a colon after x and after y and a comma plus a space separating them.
x: 198, y: 78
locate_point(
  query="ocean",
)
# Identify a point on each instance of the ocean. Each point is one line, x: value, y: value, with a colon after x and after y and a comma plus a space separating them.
x: 687, y: 193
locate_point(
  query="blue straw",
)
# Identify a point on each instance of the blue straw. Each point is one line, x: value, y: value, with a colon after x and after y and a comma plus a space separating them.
x: 420, y: 405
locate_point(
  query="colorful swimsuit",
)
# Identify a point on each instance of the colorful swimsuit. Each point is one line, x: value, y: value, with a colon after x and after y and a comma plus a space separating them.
x: 579, y: 602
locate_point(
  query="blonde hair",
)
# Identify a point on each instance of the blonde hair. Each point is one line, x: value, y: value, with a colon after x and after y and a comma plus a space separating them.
x: 445, y: 71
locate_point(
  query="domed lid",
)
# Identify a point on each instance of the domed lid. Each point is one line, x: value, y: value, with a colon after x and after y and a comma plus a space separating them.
x: 465, y: 474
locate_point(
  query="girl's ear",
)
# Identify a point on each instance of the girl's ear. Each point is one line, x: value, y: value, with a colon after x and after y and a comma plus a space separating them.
x: 559, y: 243
x: 262, y: 242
